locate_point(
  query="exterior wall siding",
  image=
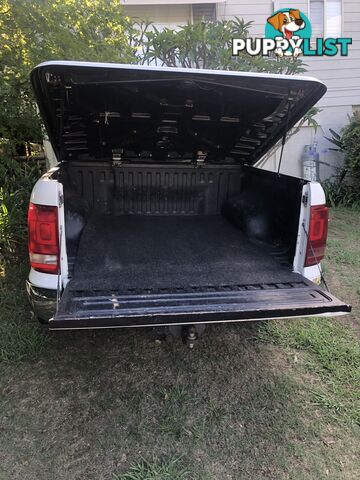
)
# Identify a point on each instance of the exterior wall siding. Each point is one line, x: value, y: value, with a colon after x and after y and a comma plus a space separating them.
x: 161, y: 15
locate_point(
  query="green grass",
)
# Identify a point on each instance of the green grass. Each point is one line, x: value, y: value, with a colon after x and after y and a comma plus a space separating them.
x: 19, y: 338
x: 339, y: 255
x: 272, y: 401
x: 175, y: 406
x: 333, y: 355
x: 155, y: 470
x: 331, y: 346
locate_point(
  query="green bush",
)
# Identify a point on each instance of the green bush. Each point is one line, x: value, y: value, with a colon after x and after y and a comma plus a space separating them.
x: 16, y: 181
x: 32, y: 32
x: 351, y: 144
x: 208, y: 44
x: 341, y: 194
x: 343, y: 189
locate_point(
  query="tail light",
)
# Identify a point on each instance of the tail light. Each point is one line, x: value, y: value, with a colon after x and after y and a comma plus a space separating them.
x: 318, y: 229
x: 43, y: 238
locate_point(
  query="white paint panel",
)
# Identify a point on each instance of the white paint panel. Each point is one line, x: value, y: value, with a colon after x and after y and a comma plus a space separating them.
x: 45, y: 191
x: 316, y: 196
x: 64, y: 266
x: 313, y: 273
x: 43, y: 280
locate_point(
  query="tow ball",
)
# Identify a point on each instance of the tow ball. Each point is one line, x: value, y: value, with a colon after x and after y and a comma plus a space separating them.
x: 188, y: 333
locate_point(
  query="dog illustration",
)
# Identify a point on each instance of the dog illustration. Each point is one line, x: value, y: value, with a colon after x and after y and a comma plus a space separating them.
x: 287, y: 23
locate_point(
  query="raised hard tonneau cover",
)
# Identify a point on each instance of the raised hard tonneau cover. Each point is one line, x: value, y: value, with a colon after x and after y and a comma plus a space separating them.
x: 94, y: 111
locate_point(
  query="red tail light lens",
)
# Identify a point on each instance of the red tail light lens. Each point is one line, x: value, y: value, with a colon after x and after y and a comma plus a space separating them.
x: 318, y: 229
x: 43, y: 238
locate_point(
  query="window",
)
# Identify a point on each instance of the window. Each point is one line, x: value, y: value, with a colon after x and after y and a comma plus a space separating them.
x: 326, y: 18
x: 204, y: 11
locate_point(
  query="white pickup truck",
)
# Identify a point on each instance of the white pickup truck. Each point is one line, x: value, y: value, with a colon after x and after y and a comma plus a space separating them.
x: 156, y: 214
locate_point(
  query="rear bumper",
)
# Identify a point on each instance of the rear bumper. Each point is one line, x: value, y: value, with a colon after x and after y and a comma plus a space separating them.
x: 42, y: 300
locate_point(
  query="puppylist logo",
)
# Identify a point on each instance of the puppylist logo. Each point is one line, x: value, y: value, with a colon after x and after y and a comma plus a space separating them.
x: 288, y: 33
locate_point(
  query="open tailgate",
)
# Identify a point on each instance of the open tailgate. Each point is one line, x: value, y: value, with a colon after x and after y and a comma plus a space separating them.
x: 226, y: 303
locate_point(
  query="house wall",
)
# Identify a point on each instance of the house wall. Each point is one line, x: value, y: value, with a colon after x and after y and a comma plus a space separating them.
x: 162, y: 15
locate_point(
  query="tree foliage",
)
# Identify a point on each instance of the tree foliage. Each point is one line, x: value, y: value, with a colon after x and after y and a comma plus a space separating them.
x: 32, y: 32
x: 208, y: 44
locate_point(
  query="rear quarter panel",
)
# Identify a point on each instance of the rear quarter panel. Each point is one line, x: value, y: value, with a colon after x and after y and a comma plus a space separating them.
x: 314, y: 195
x: 48, y: 191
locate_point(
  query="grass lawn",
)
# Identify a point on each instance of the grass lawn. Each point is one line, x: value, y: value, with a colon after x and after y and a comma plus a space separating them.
x: 275, y: 400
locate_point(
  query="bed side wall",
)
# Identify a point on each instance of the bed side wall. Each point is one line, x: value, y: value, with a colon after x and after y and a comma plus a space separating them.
x: 267, y: 209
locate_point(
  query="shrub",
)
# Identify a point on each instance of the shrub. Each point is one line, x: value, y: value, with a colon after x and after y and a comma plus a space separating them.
x: 208, y: 44
x: 351, y: 144
x: 16, y: 181
x: 343, y: 189
x: 341, y: 194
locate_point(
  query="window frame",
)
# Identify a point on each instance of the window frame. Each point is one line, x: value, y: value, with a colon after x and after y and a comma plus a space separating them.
x: 215, y: 6
x: 325, y: 17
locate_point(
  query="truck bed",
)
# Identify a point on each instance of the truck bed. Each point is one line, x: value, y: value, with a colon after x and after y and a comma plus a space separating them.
x: 141, y: 253
x: 137, y: 270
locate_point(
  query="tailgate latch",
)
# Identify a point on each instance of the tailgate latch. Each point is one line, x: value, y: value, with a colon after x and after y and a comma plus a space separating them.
x: 117, y: 157
x: 200, y: 157
x: 305, y: 199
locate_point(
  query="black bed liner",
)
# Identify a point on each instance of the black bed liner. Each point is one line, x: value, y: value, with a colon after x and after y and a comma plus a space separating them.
x: 142, y: 252
x: 137, y: 270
